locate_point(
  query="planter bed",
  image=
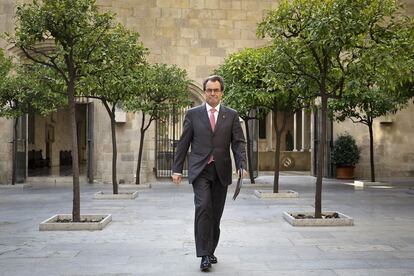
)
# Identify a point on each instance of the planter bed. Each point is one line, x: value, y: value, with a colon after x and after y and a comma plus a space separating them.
x: 269, y: 194
x: 16, y: 186
x: 121, y: 195
x: 64, y: 223
x: 362, y: 183
x: 333, y: 219
x: 135, y: 186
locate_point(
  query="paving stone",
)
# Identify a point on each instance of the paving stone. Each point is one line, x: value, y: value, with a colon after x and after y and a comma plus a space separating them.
x: 153, y: 234
x: 376, y: 272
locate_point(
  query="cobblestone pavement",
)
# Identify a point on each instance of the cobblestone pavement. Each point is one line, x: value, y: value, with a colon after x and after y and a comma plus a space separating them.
x: 153, y: 234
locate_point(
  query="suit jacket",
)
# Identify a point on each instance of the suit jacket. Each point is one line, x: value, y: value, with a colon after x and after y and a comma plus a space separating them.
x: 204, y: 142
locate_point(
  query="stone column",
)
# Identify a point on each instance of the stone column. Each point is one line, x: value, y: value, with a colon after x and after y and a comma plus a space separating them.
x: 295, y: 125
x: 269, y: 131
x: 303, y: 129
x: 312, y: 134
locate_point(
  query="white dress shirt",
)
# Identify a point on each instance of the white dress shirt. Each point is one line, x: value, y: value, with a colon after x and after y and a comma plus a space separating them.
x: 217, y: 108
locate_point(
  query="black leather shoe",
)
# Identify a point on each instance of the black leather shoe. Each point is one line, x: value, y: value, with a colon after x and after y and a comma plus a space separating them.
x: 205, y: 263
x: 213, y: 259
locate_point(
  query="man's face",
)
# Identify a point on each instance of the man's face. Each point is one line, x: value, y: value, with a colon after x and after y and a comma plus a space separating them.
x: 213, y: 93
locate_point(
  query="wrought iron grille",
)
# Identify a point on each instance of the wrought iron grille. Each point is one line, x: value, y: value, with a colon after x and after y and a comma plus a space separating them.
x: 168, y: 131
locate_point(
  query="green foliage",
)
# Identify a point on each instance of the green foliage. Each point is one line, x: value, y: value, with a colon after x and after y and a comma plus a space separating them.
x: 381, y: 79
x: 243, y: 73
x: 5, y: 66
x: 254, y: 80
x: 345, y: 151
x: 116, y: 62
x: 285, y: 92
x: 22, y: 92
x: 367, y: 104
x: 8, y: 98
x: 320, y: 40
x: 158, y: 89
x: 75, y: 28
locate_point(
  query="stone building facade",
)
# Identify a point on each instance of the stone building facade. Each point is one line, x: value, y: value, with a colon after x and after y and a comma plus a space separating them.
x: 196, y: 35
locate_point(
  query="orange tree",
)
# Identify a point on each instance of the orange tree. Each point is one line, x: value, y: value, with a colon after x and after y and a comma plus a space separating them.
x: 243, y: 76
x: 21, y: 92
x: 111, y: 78
x: 319, y: 41
x: 159, y: 89
x: 75, y: 28
x: 381, y: 79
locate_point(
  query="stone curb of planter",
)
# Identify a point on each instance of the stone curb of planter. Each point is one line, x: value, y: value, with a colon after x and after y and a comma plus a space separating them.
x: 257, y: 185
x: 362, y: 183
x: 343, y: 220
x: 121, y: 195
x: 16, y: 186
x: 135, y: 186
x: 266, y: 194
x: 51, y: 224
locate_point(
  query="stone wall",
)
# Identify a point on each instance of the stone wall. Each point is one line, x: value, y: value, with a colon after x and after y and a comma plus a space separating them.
x: 127, y: 135
x: 197, y: 35
x: 289, y: 161
x: 6, y: 126
x: 6, y: 136
x: 194, y: 34
x: 393, y: 144
x: 393, y: 136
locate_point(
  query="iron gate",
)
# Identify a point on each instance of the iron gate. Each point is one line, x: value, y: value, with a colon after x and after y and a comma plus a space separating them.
x: 168, y: 131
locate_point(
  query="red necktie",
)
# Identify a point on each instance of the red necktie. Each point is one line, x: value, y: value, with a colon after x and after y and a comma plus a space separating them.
x: 212, y: 119
x: 213, y: 125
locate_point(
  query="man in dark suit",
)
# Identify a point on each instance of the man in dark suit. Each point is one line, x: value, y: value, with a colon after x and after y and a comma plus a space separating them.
x: 210, y: 129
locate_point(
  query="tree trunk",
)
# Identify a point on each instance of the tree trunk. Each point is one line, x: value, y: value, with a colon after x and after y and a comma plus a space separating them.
x: 321, y: 159
x: 141, y: 147
x: 277, y: 163
x: 278, y: 147
x: 249, y: 149
x: 75, y: 158
x: 114, y: 155
x: 371, y: 151
x: 14, y: 153
x: 111, y: 114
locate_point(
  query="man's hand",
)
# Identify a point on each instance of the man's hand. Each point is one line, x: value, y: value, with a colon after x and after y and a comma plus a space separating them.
x: 176, y: 178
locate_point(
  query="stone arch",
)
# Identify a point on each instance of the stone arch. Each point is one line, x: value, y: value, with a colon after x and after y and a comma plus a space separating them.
x: 196, y: 94
x: 46, y: 46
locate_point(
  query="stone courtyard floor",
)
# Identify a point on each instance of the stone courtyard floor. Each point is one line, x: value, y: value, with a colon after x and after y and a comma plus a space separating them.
x: 153, y: 234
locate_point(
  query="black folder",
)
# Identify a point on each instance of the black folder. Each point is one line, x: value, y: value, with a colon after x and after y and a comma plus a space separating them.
x: 239, y: 184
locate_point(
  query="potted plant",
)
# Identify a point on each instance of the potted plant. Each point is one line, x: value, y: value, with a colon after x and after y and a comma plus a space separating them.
x: 345, y: 155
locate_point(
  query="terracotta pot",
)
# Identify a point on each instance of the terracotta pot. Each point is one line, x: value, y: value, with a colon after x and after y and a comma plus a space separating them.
x: 345, y: 172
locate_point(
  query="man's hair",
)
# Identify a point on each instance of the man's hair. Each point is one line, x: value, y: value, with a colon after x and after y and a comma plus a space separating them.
x: 214, y: 78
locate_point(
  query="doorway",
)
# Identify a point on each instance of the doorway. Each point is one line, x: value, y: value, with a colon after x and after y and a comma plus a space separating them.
x: 19, y: 148
x: 49, y: 143
x: 168, y: 131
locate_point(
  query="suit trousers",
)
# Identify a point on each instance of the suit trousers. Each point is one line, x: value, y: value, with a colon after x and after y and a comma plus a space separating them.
x: 209, y: 200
